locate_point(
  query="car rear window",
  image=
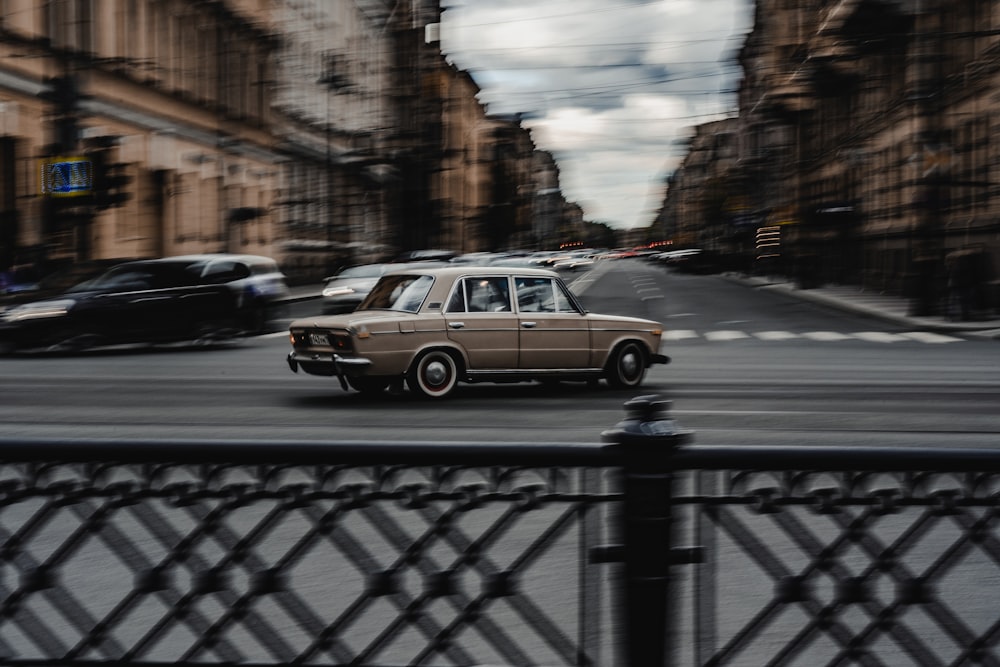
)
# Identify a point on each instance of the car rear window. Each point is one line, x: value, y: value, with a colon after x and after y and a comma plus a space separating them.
x: 398, y: 292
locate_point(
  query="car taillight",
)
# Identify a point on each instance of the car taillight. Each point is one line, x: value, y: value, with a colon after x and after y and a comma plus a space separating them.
x: 341, y: 342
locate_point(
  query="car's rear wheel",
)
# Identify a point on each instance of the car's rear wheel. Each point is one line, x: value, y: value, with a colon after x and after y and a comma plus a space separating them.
x: 627, y: 366
x: 434, y: 374
x: 214, y: 332
x: 368, y: 385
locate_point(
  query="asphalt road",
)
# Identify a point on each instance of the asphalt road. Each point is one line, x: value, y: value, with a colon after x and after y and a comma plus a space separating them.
x: 748, y: 366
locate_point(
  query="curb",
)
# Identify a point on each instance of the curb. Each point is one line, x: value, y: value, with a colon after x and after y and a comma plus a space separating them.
x: 985, y: 329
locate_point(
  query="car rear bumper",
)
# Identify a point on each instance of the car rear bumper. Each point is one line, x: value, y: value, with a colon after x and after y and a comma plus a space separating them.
x: 328, y: 365
x: 658, y: 359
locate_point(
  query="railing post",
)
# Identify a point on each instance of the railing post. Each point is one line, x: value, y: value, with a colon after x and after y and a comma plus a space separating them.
x: 648, y: 437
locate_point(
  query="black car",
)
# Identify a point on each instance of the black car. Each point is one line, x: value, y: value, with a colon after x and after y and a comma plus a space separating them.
x: 147, y: 301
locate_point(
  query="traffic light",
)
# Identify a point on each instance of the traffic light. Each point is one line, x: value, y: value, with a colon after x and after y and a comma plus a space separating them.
x: 63, y: 94
x: 110, y: 177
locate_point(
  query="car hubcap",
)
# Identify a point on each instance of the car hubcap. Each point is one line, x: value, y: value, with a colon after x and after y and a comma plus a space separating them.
x: 436, y: 373
x: 629, y: 365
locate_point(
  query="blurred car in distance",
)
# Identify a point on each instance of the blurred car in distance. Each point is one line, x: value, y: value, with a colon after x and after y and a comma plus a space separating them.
x: 690, y: 260
x: 426, y: 255
x: 514, y: 260
x: 345, y: 291
x: 52, y: 283
x: 201, y: 298
x: 433, y: 327
x: 257, y: 281
x: 573, y: 261
x: 478, y: 258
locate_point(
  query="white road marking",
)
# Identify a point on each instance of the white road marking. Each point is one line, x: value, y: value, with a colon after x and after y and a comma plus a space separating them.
x: 825, y: 336
x: 931, y: 337
x: 776, y: 335
x: 679, y: 334
x: 820, y: 336
x: 878, y: 336
x: 716, y: 336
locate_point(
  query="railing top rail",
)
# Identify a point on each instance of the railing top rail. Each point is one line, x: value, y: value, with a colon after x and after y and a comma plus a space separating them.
x: 694, y: 457
x: 804, y: 457
x: 308, y: 452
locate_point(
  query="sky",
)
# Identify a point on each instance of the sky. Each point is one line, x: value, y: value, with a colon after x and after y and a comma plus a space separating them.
x: 612, y: 88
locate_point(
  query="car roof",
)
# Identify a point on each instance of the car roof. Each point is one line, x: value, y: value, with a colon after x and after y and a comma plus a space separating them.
x: 466, y: 270
x: 212, y: 256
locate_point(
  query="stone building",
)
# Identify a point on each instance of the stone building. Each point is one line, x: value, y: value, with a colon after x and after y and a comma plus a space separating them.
x: 334, y: 125
x: 701, y: 198
x: 866, y: 136
x: 173, y: 93
x: 319, y: 133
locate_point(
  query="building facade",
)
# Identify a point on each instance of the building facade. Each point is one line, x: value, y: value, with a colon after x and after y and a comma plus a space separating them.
x: 319, y: 133
x: 866, y: 137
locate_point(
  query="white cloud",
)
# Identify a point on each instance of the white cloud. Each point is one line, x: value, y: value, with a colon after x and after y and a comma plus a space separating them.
x: 609, y: 88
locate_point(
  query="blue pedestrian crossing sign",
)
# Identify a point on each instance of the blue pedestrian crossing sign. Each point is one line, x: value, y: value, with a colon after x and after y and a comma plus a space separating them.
x: 66, y: 176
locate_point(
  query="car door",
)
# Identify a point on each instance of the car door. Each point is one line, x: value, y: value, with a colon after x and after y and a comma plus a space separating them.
x: 553, y: 332
x: 160, y: 313
x: 126, y: 303
x: 479, y: 317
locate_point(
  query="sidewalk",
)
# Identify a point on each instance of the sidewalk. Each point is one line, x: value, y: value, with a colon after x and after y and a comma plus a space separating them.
x: 887, y: 307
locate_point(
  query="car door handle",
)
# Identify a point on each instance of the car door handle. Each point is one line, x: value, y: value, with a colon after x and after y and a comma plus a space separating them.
x: 456, y: 325
x: 529, y: 325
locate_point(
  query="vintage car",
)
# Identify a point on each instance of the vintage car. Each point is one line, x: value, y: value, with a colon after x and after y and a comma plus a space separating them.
x: 435, y: 327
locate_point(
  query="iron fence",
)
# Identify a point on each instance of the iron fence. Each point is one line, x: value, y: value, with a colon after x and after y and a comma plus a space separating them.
x: 638, y: 550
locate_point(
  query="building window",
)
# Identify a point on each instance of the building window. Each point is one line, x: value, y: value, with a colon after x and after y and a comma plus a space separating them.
x: 69, y: 24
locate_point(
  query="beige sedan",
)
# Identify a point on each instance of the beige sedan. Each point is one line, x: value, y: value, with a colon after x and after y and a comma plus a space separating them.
x: 435, y: 327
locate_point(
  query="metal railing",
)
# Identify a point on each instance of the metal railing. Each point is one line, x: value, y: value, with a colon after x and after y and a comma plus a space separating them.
x: 639, y: 550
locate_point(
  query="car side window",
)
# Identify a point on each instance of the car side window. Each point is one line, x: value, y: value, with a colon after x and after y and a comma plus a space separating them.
x: 490, y: 294
x: 563, y: 302
x: 128, y: 281
x: 534, y: 295
x: 456, y: 304
x: 542, y: 295
x: 225, y: 271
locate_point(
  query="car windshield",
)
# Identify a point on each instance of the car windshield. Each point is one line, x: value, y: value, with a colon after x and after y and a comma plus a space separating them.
x: 398, y: 292
x: 115, y: 278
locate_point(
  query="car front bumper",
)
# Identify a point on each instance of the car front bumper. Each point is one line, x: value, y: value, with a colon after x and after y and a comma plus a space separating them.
x: 658, y: 359
x: 329, y: 365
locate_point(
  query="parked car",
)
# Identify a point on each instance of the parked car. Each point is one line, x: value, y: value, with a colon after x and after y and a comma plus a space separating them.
x: 434, y: 327
x: 194, y: 297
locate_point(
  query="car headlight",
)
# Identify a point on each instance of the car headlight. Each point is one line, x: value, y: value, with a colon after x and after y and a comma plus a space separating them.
x: 338, y: 291
x: 39, y: 310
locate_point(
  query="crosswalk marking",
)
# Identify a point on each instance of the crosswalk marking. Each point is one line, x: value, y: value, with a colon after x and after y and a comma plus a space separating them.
x: 879, y: 336
x: 885, y: 337
x: 930, y: 337
x: 776, y: 335
x: 825, y: 336
x: 725, y: 335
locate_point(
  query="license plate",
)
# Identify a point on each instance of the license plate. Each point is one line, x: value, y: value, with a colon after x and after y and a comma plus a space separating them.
x: 318, y: 339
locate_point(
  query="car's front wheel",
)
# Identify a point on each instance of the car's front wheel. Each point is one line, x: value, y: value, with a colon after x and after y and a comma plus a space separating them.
x: 73, y: 340
x: 627, y: 366
x: 434, y: 374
